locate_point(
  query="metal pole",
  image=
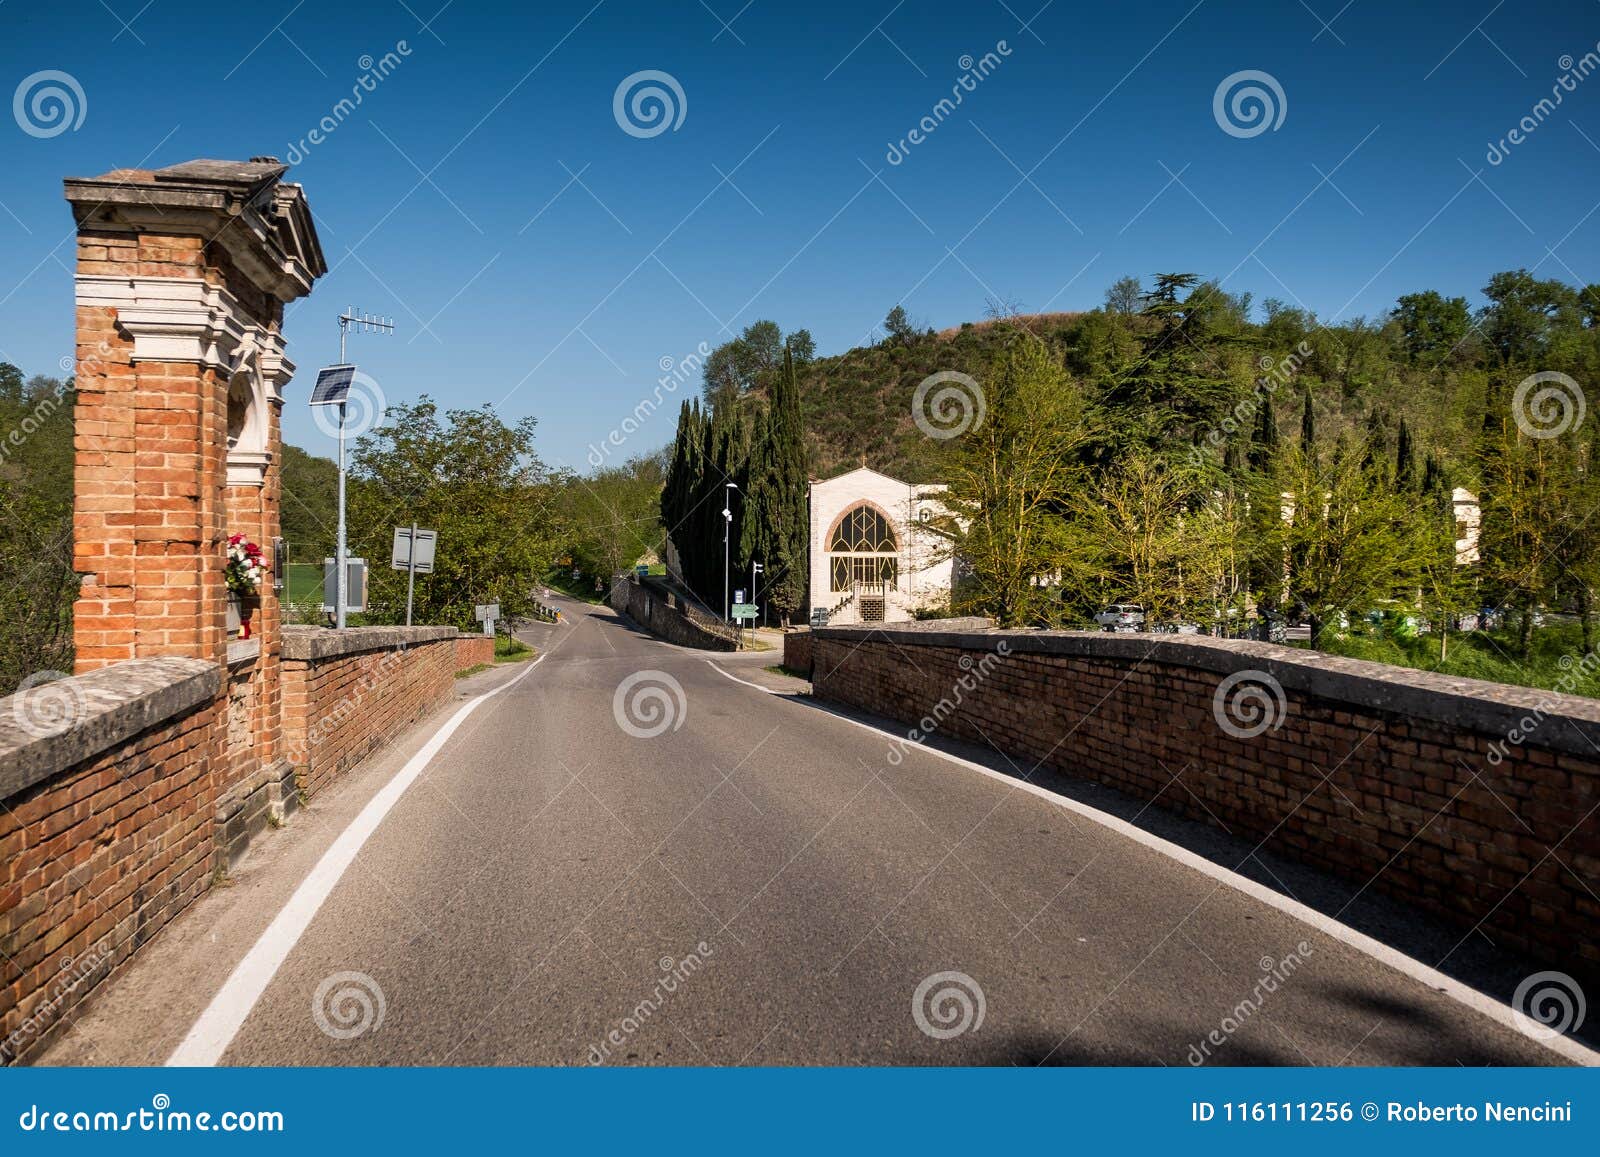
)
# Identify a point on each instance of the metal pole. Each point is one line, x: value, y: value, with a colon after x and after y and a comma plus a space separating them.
x: 727, y: 521
x: 342, y: 600
x: 411, y: 572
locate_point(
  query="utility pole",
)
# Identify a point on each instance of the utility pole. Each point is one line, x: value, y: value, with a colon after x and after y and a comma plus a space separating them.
x: 755, y: 569
x: 361, y: 323
x: 727, y: 524
x: 411, y: 571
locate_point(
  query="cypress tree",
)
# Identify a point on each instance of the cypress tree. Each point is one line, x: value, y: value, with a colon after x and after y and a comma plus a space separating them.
x: 1405, y: 462
x: 791, y: 530
x: 1264, y: 439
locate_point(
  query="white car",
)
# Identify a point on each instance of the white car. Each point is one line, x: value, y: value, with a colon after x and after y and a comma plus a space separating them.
x: 1121, y: 617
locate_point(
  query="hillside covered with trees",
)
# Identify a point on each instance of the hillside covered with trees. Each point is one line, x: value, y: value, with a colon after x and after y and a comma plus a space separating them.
x: 1206, y: 456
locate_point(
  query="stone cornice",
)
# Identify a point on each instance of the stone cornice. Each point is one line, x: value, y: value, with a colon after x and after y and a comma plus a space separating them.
x: 262, y: 224
x: 310, y: 644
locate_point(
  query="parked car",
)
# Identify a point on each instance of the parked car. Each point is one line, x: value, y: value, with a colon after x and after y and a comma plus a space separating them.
x: 1121, y: 617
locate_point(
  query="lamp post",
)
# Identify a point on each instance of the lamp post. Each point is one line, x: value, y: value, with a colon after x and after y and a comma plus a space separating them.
x: 727, y: 524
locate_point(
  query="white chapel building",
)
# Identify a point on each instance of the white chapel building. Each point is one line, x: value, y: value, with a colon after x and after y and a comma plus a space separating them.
x: 872, y: 558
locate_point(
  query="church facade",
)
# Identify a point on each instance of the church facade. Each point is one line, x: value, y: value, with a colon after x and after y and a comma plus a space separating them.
x: 873, y: 557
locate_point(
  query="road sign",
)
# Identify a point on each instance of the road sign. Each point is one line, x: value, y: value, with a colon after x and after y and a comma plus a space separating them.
x: 400, y: 554
x: 642, y: 570
x: 355, y: 585
x: 738, y: 595
x: 745, y: 610
x: 486, y: 612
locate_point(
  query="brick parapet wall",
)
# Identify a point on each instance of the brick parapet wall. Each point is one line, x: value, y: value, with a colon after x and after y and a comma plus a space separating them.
x: 797, y: 650
x: 473, y: 650
x: 657, y: 609
x: 347, y: 693
x: 107, y: 829
x: 1477, y: 802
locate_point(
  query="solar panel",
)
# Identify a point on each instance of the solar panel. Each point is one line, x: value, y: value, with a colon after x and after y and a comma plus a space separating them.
x: 333, y: 385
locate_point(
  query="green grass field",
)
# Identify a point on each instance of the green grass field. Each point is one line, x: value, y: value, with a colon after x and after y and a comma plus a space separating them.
x: 304, y: 582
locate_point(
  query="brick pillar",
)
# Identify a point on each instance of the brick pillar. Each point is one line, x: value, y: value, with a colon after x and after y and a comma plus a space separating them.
x: 182, y: 277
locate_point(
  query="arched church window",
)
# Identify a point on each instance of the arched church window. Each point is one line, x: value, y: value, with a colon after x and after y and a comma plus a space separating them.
x: 863, y: 530
x: 863, y: 549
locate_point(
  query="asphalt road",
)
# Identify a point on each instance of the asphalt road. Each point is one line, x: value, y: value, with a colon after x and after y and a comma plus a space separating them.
x: 758, y: 884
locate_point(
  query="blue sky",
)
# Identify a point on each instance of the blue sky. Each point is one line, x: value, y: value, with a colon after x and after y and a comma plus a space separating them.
x: 537, y: 256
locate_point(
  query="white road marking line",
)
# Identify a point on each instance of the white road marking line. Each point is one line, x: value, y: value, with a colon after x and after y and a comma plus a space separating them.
x: 1570, y: 1048
x: 723, y: 671
x: 214, y: 1031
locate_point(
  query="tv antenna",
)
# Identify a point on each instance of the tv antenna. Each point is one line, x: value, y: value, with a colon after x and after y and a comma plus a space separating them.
x: 352, y: 318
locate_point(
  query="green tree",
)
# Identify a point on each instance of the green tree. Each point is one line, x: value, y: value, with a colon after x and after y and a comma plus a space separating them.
x: 747, y: 362
x: 898, y: 327
x: 37, y: 580
x: 1352, y: 541
x: 776, y: 530
x: 1010, y: 480
x: 310, y: 507
x: 1180, y: 386
x: 612, y: 517
x: 1431, y: 325
x: 1124, y: 296
x: 1133, y: 539
x: 479, y: 483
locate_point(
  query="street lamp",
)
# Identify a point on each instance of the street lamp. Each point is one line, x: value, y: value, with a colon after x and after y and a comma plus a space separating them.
x: 727, y: 523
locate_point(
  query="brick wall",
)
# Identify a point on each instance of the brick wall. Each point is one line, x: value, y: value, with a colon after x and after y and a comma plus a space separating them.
x: 797, y: 651
x: 471, y: 650
x: 107, y: 828
x: 347, y: 693
x: 656, y: 608
x: 1475, y: 801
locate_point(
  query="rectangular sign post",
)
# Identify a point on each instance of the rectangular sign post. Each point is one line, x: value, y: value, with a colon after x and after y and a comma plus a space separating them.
x: 412, y: 552
x: 355, y: 586
x: 487, y: 613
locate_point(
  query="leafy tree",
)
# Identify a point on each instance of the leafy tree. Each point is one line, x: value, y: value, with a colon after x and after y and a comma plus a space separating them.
x: 1010, y: 480
x: 799, y: 345
x: 1132, y: 538
x: 1522, y: 315
x: 1431, y: 325
x: 611, y: 518
x: 898, y: 327
x: 477, y: 481
x: 1124, y: 296
x: 37, y: 580
x: 746, y: 363
x: 1352, y: 541
x: 310, y: 505
x: 1180, y: 385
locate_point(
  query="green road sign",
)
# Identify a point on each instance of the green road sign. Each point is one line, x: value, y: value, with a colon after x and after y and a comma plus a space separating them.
x: 744, y: 610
